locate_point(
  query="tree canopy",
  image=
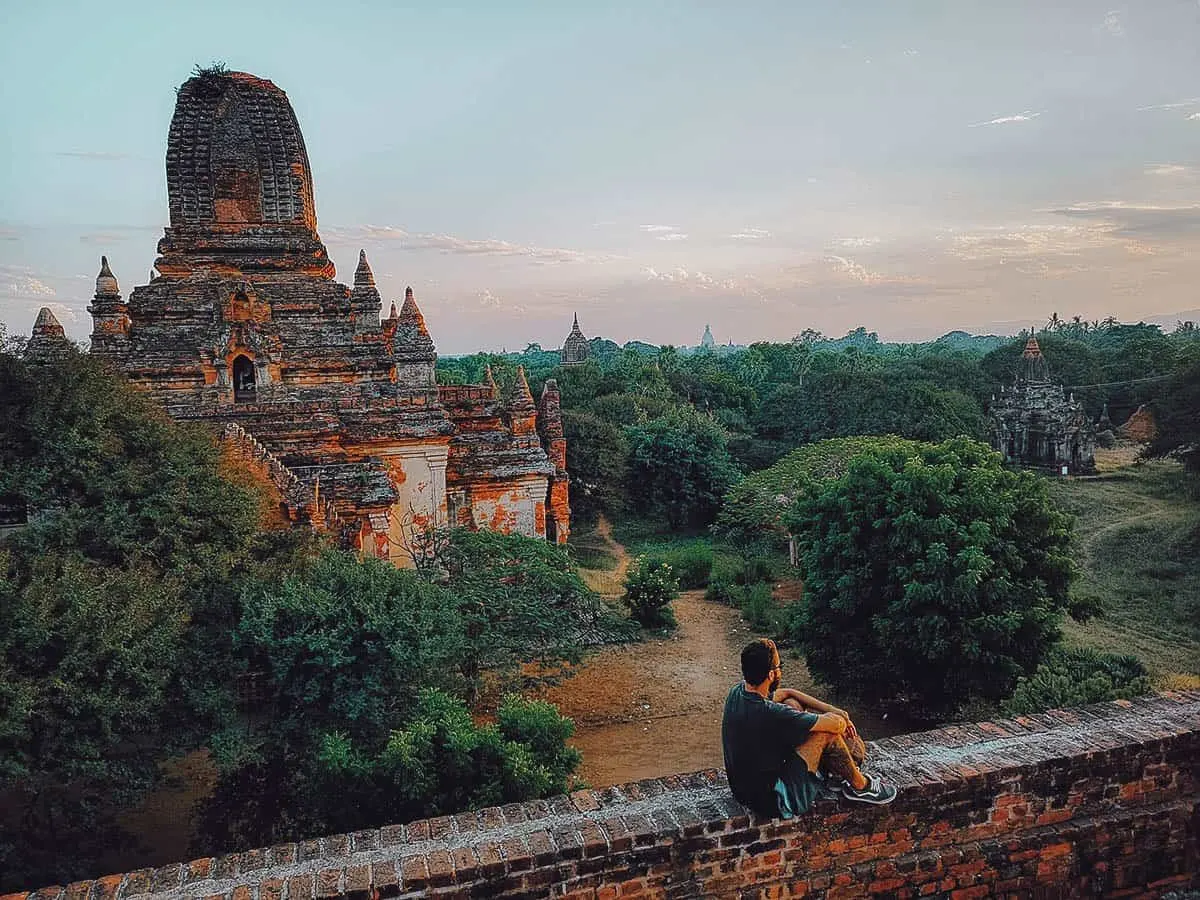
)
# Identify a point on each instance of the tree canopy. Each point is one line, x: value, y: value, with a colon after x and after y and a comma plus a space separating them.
x: 936, y: 576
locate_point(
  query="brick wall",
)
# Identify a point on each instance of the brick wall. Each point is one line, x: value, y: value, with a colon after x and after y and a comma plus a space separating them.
x: 1096, y: 801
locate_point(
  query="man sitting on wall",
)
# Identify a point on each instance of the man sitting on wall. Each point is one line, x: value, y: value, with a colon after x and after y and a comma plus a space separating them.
x: 784, y: 749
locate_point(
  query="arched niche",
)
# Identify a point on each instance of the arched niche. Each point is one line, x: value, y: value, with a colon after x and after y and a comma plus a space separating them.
x: 244, y: 380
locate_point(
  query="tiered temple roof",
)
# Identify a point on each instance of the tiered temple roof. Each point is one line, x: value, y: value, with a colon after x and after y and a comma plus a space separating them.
x: 1034, y: 422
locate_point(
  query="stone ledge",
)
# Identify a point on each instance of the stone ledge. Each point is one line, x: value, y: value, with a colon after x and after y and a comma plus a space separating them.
x: 1101, y: 798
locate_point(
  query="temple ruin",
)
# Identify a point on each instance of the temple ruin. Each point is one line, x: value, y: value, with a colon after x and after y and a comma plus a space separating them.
x: 1035, y: 423
x: 243, y: 325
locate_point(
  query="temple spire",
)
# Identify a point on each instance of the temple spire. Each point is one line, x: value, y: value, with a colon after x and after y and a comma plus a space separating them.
x: 410, y: 313
x: 522, y: 412
x: 106, y: 282
x: 363, y: 275
x: 412, y: 338
x: 522, y: 397
x: 365, y: 301
x: 47, y: 324
x: 1033, y: 366
x: 490, y: 380
x: 48, y: 340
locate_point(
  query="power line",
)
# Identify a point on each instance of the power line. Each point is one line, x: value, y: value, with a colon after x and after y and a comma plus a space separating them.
x: 1116, y: 384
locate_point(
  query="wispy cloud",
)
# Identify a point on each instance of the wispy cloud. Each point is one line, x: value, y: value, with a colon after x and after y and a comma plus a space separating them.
x: 448, y: 243
x: 657, y: 229
x: 1194, y: 116
x: 1113, y: 24
x: 1026, y: 116
x: 103, y: 237
x: 679, y: 275
x: 1139, y: 220
x: 1170, y: 170
x: 672, y: 236
x: 98, y: 155
x: 854, y: 271
x: 856, y: 242
x: 1178, y: 104
x: 19, y: 281
x: 750, y: 234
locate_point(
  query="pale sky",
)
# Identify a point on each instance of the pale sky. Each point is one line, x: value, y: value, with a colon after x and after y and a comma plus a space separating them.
x: 763, y: 166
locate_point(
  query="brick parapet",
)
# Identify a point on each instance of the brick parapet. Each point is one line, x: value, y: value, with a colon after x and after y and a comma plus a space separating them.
x: 1101, y: 801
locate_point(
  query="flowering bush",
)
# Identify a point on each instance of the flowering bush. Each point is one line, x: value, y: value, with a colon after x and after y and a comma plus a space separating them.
x: 649, y: 589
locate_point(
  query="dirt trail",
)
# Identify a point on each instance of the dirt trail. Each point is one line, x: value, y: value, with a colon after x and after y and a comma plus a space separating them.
x: 608, y: 583
x: 655, y: 707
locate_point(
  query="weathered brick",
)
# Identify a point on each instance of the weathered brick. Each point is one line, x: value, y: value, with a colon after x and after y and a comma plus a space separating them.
x: 385, y: 879
x: 357, y: 883
x: 329, y: 882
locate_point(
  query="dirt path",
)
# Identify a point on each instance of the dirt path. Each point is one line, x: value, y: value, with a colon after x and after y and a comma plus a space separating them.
x: 608, y: 583
x: 654, y: 708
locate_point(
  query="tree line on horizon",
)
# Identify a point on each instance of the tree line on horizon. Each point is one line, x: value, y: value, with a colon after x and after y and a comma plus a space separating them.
x: 660, y: 432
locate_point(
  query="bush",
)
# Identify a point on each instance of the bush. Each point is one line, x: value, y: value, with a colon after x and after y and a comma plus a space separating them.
x: 934, y: 575
x: 756, y: 570
x: 649, y: 589
x: 1072, y: 677
x: 442, y: 762
x: 692, y: 563
x: 758, y: 606
x: 723, y: 589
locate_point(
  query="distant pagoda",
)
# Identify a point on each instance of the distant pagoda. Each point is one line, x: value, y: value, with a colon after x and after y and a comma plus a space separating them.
x: 708, y: 342
x: 575, y: 349
x: 1035, y: 423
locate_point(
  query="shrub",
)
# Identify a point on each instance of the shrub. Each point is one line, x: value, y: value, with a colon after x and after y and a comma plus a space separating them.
x: 692, y: 563
x: 756, y: 570
x: 933, y: 574
x: 1071, y: 677
x: 758, y: 606
x: 649, y: 589
x: 723, y: 590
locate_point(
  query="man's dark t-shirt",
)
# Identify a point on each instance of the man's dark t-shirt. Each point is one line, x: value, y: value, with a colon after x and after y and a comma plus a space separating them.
x: 759, y: 738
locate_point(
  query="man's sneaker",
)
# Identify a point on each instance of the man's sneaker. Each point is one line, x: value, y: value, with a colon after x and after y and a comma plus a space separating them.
x: 875, y: 792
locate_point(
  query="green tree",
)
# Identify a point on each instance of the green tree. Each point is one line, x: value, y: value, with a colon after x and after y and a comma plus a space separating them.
x: 119, y: 595
x: 681, y: 467
x: 359, y: 664
x: 1177, y: 416
x: 1075, y: 676
x: 755, y: 507
x: 518, y: 600
x: 87, y: 659
x: 598, y: 460
x: 937, y: 576
x: 441, y: 762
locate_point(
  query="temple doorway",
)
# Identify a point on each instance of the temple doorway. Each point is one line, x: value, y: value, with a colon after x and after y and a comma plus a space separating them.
x: 243, y: 380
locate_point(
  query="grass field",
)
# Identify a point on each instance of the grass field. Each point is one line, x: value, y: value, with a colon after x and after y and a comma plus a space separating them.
x: 1137, y: 543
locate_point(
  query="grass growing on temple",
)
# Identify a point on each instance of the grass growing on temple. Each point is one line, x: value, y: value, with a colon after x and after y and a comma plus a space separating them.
x: 148, y: 610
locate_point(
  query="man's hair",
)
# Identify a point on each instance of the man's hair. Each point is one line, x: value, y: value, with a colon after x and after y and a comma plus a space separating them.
x: 757, y: 661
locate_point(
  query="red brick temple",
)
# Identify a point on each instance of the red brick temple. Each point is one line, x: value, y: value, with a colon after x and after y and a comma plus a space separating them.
x: 243, y: 325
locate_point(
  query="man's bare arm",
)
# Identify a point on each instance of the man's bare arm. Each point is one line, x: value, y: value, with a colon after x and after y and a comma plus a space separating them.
x: 830, y: 723
x: 807, y: 701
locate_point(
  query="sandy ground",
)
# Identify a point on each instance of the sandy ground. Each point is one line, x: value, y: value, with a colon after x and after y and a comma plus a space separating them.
x: 654, y: 708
